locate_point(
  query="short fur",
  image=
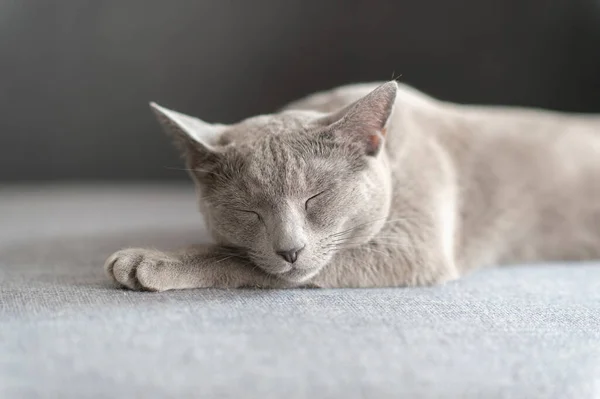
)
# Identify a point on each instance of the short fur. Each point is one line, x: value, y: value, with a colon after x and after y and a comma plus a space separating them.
x: 377, y: 185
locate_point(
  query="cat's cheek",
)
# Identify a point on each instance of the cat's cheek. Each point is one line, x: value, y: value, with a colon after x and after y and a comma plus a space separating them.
x: 315, y: 218
x: 236, y: 223
x: 249, y: 234
x: 241, y: 234
x: 321, y: 214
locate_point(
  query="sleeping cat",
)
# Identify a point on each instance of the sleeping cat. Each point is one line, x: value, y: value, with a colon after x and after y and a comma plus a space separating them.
x: 378, y: 185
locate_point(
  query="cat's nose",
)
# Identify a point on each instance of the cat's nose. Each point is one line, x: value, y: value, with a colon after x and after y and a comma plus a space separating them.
x: 290, y: 255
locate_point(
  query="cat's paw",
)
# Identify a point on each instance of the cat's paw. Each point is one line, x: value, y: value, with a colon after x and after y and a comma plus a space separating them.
x: 140, y: 269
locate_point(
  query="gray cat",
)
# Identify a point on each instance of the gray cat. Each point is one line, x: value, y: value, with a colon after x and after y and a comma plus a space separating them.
x: 377, y: 185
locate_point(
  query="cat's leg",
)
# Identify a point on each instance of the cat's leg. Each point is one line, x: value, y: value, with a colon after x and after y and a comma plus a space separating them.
x: 196, y: 267
x: 384, y: 265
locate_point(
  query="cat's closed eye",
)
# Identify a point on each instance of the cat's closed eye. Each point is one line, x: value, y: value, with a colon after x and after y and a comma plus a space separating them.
x: 253, y: 214
x: 307, y: 203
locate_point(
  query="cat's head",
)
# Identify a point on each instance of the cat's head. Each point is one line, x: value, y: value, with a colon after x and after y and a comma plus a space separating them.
x: 291, y: 189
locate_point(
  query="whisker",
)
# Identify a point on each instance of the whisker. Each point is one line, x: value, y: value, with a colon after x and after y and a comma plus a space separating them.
x: 348, y: 231
x: 368, y: 245
x: 221, y: 260
x: 380, y: 252
x: 193, y: 170
x: 173, y: 168
x: 229, y: 254
x: 360, y: 225
x: 372, y: 239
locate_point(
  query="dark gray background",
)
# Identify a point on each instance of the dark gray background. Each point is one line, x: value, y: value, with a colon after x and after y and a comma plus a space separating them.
x: 76, y: 75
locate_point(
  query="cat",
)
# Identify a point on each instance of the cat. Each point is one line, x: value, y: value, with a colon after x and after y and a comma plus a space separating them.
x: 378, y: 185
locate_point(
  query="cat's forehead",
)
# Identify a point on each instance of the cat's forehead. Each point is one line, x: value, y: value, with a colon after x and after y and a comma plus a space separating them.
x: 284, y: 154
x: 276, y: 167
x: 251, y: 129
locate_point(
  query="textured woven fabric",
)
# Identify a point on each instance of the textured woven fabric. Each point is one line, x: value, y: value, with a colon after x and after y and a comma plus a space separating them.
x: 65, y: 332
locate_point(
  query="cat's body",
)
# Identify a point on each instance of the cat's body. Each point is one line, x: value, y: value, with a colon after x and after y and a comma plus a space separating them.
x: 450, y: 188
x: 523, y: 184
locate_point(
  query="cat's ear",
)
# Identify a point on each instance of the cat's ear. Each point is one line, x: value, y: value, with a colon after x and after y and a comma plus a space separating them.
x: 195, y: 138
x: 365, y: 122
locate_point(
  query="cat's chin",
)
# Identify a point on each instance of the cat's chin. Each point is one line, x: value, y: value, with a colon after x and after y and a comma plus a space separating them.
x: 295, y: 275
x: 298, y: 272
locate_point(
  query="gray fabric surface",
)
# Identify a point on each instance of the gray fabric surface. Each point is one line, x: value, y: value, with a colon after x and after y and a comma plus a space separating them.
x: 519, y: 332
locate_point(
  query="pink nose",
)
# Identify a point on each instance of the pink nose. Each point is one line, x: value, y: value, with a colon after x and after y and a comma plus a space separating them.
x: 291, y: 255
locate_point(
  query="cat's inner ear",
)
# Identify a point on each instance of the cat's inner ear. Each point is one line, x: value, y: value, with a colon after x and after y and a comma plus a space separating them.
x: 365, y: 121
x: 195, y: 138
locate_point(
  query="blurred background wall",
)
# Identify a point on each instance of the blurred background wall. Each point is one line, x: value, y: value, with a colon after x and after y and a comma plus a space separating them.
x: 76, y: 75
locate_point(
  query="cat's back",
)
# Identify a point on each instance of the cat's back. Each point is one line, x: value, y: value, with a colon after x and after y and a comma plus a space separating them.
x: 339, y: 97
x: 478, y: 116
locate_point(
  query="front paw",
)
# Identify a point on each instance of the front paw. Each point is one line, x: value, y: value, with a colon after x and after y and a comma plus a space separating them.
x: 140, y: 269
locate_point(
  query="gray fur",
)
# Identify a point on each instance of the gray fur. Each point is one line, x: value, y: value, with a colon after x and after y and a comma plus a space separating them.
x: 402, y: 190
